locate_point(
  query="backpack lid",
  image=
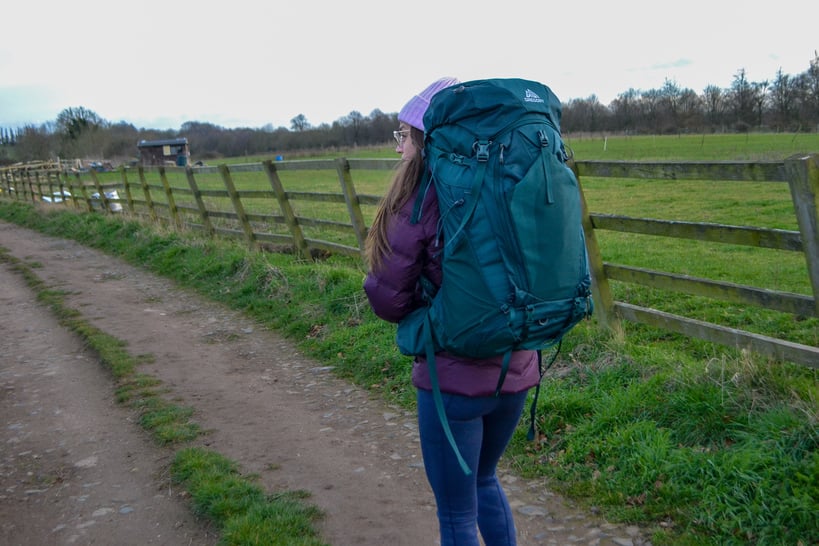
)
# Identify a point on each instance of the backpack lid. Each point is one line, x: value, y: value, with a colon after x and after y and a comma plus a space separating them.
x: 486, y: 107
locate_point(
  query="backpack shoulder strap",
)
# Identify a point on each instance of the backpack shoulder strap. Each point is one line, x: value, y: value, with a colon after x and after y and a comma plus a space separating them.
x: 477, y: 184
x: 423, y: 188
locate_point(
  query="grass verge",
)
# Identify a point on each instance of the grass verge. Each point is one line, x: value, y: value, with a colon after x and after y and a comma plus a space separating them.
x: 244, y: 514
x: 699, y: 444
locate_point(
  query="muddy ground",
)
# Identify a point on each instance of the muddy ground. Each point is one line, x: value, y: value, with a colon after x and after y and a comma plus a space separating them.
x: 75, y: 468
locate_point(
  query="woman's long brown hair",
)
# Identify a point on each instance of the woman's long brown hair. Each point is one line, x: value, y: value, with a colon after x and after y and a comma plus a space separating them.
x: 403, y: 185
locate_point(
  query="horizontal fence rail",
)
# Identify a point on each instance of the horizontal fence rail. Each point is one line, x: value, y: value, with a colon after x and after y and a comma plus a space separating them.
x: 251, y: 202
x: 802, y: 176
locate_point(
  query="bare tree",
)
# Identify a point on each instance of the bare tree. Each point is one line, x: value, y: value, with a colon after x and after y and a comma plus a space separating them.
x: 73, y: 122
x: 812, y: 89
x: 782, y: 98
x: 742, y: 99
x: 586, y: 115
x: 35, y: 143
x: 82, y: 132
x: 299, y: 123
x: 690, y: 109
x: 353, y: 123
x: 382, y: 125
x: 759, y: 96
x: 625, y: 110
x: 121, y: 141
x: 714, y: 100
x: 650, y: 102
x: 670, y: 96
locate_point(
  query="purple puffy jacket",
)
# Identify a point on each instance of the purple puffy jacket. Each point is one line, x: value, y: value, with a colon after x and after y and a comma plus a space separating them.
x: 394, y: 292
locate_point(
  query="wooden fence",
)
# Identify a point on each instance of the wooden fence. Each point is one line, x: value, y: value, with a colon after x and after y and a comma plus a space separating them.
x: 179, y: 198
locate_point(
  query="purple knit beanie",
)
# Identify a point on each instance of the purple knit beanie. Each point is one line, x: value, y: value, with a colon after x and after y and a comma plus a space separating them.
x: 413, y: 112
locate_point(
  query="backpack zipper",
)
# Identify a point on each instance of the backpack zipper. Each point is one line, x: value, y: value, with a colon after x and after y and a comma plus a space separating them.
x: 519, y: 279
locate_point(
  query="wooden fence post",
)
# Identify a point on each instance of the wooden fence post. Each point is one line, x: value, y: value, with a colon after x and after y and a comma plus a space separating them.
x: 174, y: 211
x: 237, y: 205
x: 147, y: 191
x: 299, y: 242
x: 49, y: 180
x: 61, y: 187
x: 55, y: 177
x: 601, y: 291
x: 30, y: 185
x: 19, y: 187
x: 803, y: 180
x: 22, y: 187
x: 67, y: 186
x: 129, y: 199
x: 33, y: 186
x: 36, y: 188
x: 197, y: 195
x: 22, y: 191
x: 41, y: 182
x: 350, y: 197
x: 49, y: 176
x: 6, y: 182
x: 104, y: 205
x: 12, y: 181
x: 89, y: 207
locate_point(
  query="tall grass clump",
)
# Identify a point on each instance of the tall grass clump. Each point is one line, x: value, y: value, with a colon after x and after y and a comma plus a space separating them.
x: 713, y: 452
x: 239, y: 507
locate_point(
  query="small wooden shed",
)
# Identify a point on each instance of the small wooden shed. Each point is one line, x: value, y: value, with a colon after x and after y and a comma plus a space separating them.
x: 173, y: 151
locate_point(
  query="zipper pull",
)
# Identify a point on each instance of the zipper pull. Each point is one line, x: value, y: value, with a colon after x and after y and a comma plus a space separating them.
x: 550, y: 198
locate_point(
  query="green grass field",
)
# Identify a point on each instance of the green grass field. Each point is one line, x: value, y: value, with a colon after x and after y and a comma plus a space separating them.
x: 704, y: 147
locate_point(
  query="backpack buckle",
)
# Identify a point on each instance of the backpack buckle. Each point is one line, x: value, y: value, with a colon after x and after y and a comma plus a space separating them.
x: 481, y: 149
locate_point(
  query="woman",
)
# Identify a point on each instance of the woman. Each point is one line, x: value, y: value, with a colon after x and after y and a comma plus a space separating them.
x: 399, y: 253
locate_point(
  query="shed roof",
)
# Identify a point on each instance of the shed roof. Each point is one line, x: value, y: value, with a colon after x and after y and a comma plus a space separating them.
x: 166, y: 142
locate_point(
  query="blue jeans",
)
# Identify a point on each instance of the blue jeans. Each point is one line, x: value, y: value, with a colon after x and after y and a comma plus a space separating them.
x: 482, y: 428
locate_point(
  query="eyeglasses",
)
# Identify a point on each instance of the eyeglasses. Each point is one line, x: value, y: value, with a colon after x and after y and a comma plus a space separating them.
x: 400, y: 136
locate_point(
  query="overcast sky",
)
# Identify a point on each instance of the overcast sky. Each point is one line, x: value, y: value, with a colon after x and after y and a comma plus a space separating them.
x: 244, y: 63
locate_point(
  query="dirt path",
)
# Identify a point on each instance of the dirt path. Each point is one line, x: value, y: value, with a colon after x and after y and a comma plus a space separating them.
x: 76, y: 469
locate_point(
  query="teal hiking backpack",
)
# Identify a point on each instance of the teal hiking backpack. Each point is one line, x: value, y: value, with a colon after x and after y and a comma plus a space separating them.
x: 515, y: 268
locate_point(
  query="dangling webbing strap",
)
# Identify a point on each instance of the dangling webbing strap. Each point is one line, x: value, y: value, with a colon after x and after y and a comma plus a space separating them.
x: 504, y: 368
x: 436, y: 396
x: 533, y: 408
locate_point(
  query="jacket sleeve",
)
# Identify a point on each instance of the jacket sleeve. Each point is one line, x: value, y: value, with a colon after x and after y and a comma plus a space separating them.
x: 394, y: 290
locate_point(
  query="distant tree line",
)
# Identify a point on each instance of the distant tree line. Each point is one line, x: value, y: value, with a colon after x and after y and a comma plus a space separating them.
x: 81, y: 133
x: 788, y: 103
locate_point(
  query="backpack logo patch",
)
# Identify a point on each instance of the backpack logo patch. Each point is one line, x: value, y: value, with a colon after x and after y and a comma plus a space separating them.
x: 531, y: 96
